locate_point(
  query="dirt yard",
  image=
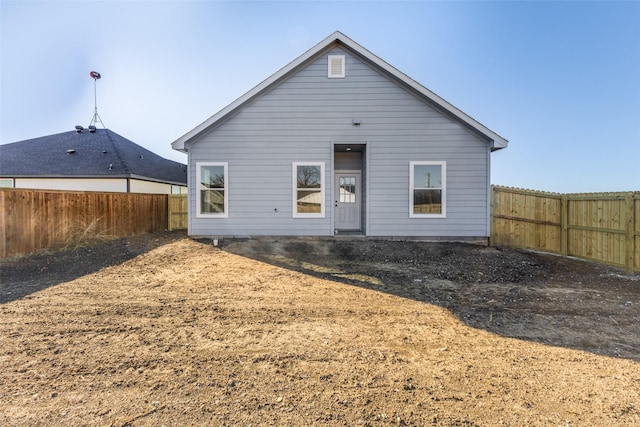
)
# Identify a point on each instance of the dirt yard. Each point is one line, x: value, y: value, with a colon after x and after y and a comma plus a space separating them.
x: 163, y: 330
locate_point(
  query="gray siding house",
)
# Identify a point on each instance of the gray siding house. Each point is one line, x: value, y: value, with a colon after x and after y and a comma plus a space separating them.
x: 339, y: 141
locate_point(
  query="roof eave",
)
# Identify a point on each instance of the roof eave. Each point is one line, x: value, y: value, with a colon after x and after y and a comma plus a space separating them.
x: 180, y: 143
x: 157, y: 180
x: 90, y: 176
x: 497, y: 142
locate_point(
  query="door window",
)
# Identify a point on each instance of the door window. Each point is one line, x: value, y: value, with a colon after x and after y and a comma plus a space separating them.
x: 347, y: 189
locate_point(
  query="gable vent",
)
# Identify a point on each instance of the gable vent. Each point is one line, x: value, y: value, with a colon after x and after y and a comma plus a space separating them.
x: 336, y: 67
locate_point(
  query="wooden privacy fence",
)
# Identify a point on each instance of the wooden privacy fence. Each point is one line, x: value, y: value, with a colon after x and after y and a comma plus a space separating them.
x: 37, y: 219
x: 178, y: 214
x: 603, y: 227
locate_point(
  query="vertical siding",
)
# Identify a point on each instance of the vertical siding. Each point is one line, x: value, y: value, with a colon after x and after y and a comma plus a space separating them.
x: 300, y: 118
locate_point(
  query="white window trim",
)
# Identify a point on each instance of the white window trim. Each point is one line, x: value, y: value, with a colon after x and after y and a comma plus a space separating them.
x: 199, y: 213
x: 343, y: 72
x: 294, y: 185
x: 443, y: 214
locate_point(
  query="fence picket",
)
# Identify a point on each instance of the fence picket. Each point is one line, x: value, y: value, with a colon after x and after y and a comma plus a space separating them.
x: 178, y: 212
x: 603, y: 227
x: 32, y: 220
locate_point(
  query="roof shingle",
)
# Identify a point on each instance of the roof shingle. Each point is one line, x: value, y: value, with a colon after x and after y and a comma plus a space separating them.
x: 100, y: 154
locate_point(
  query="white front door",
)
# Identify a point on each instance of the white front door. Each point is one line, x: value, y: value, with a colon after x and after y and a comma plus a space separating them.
x: 347, y: 201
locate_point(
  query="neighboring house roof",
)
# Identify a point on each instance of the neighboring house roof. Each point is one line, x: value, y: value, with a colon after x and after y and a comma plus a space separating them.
x: 343, y: 41
x: 101, y: 154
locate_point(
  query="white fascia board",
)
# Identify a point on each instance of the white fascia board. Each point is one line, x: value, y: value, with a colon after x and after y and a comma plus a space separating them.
x: 497, y: 141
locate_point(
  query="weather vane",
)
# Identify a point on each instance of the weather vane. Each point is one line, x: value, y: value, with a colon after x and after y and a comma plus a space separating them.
x: 96, y: 117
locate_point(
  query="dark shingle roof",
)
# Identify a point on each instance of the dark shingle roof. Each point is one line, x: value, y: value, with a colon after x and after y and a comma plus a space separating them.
x: 102, y: 154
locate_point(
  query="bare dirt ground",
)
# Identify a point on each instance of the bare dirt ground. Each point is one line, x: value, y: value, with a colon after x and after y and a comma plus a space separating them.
x: 163, y: 330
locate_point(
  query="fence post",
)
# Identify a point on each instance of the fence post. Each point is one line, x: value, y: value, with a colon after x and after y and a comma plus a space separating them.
x: 564, y: 225
x: 492, y: 207
x: 169, y: 213
x: 630, y: 232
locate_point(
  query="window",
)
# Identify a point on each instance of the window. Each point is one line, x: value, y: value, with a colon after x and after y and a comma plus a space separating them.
x: 336, y: 67
x: 427, y: 188
x: 213, y: 190
x: 347, y: 189
x: 308, y: 190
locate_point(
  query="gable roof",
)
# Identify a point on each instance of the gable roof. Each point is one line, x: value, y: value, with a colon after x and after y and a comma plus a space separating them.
x: 102, y: 154
x: 497, y: 142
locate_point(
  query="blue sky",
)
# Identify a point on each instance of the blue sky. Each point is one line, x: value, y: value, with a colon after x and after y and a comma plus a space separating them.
x: 559, y: 79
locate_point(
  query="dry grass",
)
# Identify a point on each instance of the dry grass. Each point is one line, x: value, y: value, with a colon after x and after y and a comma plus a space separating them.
x: 189, y: 334
x: 81, y: 233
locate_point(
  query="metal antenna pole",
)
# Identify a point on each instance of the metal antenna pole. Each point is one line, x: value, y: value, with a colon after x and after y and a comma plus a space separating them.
x: 96, y: 117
